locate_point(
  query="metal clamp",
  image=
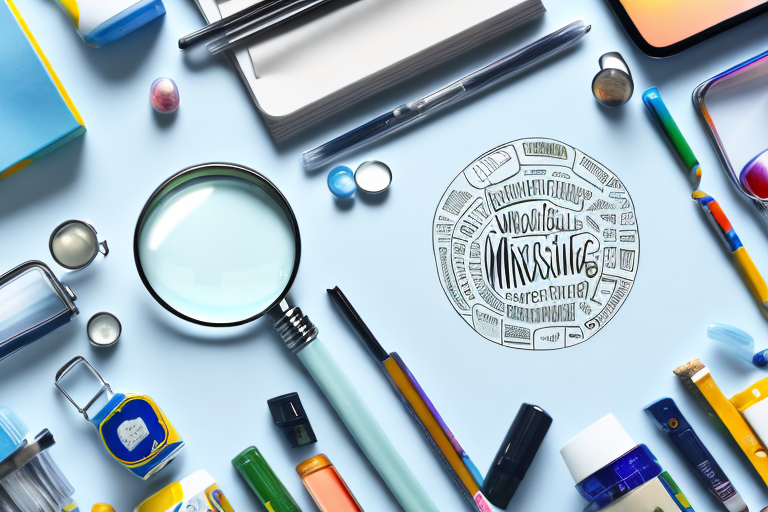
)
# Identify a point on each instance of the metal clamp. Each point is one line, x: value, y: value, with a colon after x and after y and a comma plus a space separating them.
x: 105, y: 387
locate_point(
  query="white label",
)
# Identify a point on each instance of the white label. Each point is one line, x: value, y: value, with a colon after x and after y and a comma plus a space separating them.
x: 132, y: 432
x: 651, y: 496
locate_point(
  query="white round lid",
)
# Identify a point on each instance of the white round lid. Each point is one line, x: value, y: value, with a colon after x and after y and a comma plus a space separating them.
x: 597, y: 446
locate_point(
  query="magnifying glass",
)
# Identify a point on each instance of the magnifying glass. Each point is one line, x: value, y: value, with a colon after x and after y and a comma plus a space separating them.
x: 218, y: 245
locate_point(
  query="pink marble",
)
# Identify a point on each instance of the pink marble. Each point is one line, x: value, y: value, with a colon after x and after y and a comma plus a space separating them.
x: 164, y: 95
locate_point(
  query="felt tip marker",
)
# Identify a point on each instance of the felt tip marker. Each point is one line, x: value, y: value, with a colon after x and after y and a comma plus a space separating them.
x: 668, y: 418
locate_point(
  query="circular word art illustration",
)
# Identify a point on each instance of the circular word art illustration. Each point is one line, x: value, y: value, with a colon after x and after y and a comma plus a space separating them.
x: 536, y: 244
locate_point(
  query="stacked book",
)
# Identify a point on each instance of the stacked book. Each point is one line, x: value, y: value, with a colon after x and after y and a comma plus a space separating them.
x: 304, y: 71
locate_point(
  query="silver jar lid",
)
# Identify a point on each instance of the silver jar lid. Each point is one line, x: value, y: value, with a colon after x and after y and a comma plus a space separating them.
x: 74, y: 244
x: 104, y: 329
x: 373, y: 177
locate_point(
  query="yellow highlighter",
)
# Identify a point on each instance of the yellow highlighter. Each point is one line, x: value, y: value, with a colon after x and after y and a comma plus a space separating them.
x: 743, y: 415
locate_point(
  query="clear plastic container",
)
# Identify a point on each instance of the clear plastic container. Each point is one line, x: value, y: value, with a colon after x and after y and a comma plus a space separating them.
x: 30, y: 481
x: 32, y: 304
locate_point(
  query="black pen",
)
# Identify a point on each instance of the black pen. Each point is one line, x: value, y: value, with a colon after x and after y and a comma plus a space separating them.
x: 250, y: 21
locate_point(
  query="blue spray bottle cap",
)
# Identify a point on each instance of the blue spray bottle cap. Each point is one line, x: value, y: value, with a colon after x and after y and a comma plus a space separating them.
x: 13, y: 432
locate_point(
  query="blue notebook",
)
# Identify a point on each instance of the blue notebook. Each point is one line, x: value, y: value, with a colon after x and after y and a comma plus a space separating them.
x: 36, y: 114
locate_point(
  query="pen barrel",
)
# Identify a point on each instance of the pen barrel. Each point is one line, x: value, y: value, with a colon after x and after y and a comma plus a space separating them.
x: 707, y: 470
x: 371, y: 131
x: 461, y: 89
x: 431, y: 425
x: 364, y: 428
x: 751, y: 277
x: 665, y: 121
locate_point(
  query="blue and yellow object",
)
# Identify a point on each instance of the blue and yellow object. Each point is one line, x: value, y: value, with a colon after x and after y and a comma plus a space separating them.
x: 100, y: 22
x: 732, y: 413
x: 198, y: 491
x: 36, y: 114
x: 134, y: 430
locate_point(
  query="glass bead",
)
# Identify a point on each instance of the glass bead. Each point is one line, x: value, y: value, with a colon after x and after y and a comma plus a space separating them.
x: 341, y: 182
x: 74, y: 245
x: 164, y: 95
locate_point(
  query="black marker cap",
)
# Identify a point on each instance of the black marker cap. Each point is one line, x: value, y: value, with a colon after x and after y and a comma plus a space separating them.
x: 289, y: 416
x: 516, y: 454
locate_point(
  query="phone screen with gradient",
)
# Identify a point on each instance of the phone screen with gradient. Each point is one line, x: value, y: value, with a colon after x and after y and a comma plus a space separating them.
x: 665, y: 22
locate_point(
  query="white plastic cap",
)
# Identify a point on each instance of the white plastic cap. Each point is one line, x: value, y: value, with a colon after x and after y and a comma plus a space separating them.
x: 596, y: 447
x: 196, y: 483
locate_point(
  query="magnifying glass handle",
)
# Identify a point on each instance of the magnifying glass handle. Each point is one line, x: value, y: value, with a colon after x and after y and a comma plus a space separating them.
x: 364, y: 428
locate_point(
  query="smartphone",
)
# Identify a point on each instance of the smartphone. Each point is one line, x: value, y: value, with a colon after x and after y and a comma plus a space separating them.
x: 661, y: 28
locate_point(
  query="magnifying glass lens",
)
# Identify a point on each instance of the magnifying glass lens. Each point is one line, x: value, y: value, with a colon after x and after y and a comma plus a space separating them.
x: 217, y: 249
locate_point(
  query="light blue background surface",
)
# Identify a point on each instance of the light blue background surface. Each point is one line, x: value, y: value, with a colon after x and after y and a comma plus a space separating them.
x: 213, y: 384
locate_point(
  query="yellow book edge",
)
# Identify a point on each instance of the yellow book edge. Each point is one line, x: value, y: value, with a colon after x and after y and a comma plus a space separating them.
x: 47, y: 64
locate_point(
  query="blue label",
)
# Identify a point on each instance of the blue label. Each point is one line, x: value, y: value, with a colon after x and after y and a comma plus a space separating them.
x: 134, y: 430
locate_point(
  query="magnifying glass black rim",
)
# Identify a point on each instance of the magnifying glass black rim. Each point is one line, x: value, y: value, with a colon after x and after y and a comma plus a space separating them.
x: 270, y: 188
x: 56, y: 232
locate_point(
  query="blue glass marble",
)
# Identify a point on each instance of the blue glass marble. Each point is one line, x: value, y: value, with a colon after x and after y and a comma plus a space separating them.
x: 739, y: 341
x: 341, y: 182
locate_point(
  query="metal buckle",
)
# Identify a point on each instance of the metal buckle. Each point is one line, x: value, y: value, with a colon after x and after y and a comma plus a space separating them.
x: 105, y: 387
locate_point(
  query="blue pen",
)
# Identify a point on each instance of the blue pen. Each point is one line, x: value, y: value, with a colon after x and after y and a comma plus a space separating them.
x: 667, y: 417
x: 461, y: 89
